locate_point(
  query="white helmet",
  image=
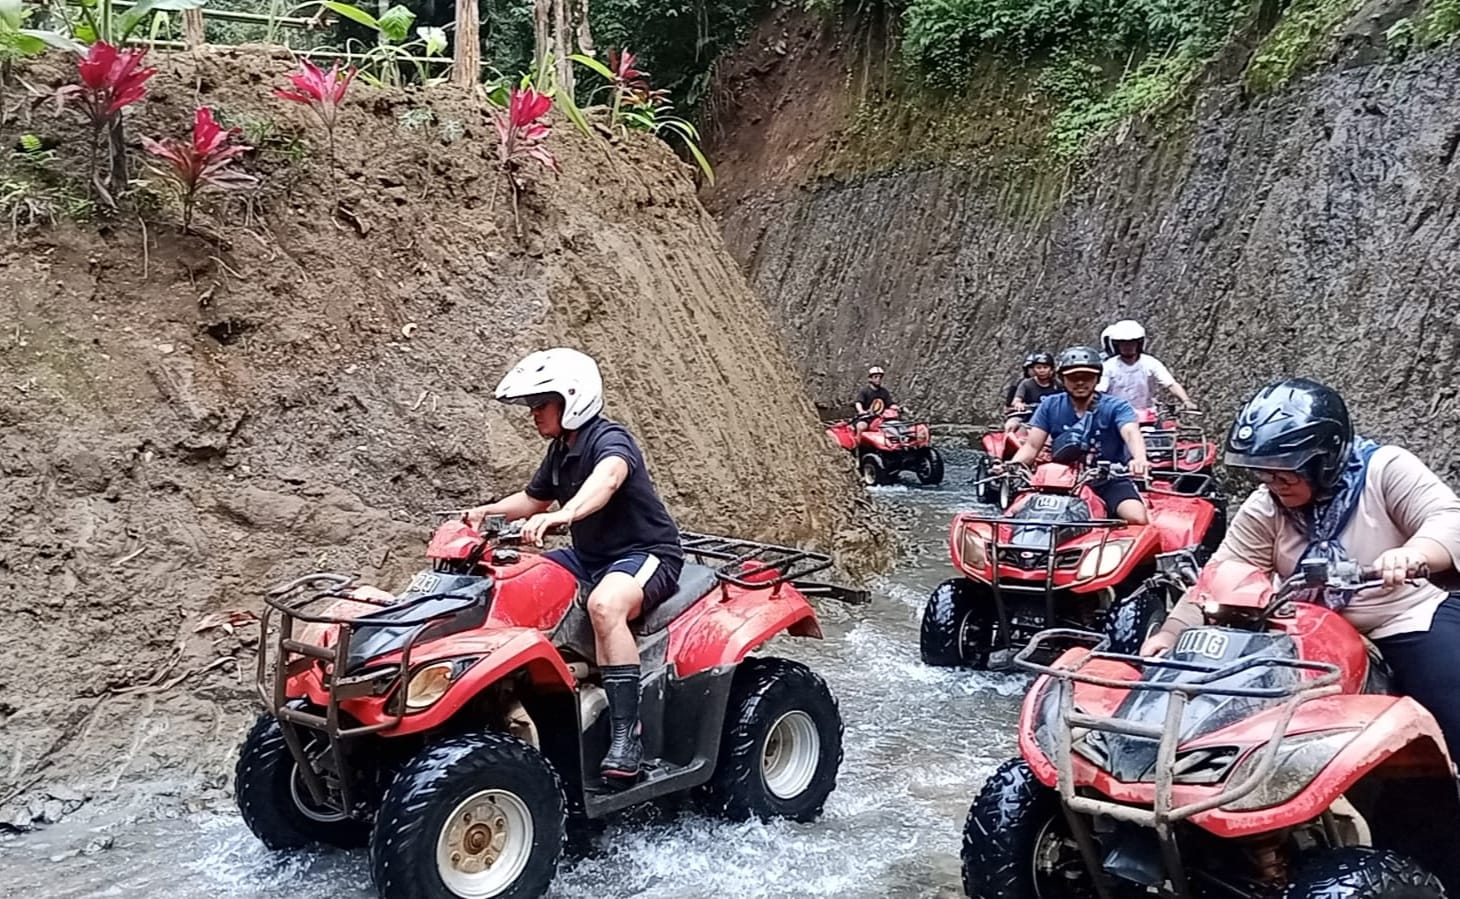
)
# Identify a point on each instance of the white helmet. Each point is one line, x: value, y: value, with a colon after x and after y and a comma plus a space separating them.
x: 1124, y: 330
x: 875, y: 370
x: 568, y: 373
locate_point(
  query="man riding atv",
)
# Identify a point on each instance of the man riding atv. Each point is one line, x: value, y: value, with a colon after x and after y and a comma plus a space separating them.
x: 626, y: 549
x: 1082, y: 419
x: 872, y: 399
x: 1039, y: 384
x: 1128, y: 370
x: 1329, y: 493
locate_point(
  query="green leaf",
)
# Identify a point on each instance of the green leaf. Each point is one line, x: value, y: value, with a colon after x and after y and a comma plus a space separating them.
x: 575, y: 115
x: 84, y: 32
x: 29, y: 37
x: 435, y: 39
x: 353, y: 13
x: 11, y: 14
x: 395, y: 23
x: 593, y: 64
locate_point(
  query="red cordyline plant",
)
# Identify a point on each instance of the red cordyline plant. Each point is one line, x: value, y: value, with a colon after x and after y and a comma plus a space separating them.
x: 111, y: 80
x: 522, y: 131
x: 205, y: 163
x: 322, y: 92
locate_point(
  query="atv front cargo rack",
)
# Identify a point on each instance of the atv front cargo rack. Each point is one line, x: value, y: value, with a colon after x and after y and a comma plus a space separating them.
x: 1164, y: 812
x: 421, y: 616
x: 764, y: 566
x: 1004, y: 555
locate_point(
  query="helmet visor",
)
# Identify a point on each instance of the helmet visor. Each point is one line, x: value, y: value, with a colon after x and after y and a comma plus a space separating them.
x: 1291, y: 461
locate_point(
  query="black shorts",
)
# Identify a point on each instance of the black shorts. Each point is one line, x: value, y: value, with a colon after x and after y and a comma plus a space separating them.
x: 1114, y: 491
x: 658, y: 576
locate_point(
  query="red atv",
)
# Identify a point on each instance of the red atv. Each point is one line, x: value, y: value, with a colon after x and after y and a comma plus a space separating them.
x: 457, y: 728
x: 1056, y: 557
x: 888, y: 446
x: 1000, y: 445
x: 1176, y: 449
x: 1263, y: 757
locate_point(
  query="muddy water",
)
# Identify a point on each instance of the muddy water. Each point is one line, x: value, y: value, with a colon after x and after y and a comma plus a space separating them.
x: 919, y: 743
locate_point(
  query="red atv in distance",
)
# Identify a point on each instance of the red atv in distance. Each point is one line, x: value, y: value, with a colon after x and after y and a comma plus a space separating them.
x: 1176, y: 450
x: 458, y: 727
x: 890, y: 445
x: 1263, y: 757
x: 1055, y: 557
x: 1000, y: 445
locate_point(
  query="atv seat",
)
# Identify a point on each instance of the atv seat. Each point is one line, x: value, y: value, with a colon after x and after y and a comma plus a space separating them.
x: 694, y: 582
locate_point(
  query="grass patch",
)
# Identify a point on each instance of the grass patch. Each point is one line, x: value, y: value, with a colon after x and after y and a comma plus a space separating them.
x: 1305, y: 30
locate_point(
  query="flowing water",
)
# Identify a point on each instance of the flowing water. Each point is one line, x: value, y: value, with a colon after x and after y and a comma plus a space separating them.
x: 919, y: 743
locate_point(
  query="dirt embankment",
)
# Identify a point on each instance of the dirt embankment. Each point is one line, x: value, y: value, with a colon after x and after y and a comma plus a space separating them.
x: 1314, y: 230
x: 186, y: 419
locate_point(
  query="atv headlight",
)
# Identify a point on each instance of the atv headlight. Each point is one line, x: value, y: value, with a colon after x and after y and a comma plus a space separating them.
x: 1103, y: 559
x: 973, y: 549
x: 430, y: 682
x: 1299, y: 760
x: 1195, y: 454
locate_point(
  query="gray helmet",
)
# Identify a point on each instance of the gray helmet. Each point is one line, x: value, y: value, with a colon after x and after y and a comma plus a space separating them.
x: 1080, y: 358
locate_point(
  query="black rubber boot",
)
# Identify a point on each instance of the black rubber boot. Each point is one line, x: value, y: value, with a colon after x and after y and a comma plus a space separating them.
x: 626, y: 750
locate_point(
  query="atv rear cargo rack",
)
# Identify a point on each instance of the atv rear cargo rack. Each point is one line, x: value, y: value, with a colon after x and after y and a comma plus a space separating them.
x: 291, y: 657
x: 765, y: 566
x: 1164, y: 813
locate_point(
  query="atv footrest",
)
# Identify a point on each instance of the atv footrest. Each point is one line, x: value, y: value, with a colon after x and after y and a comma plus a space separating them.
x: 659, y: 778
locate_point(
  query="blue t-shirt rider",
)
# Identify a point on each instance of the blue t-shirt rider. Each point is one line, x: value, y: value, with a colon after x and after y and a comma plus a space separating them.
x: 1103, y: 423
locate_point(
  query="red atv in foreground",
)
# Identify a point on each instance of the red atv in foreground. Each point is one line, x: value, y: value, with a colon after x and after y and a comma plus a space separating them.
x: 1055, y: 557
x: 1263, y: 757
x: 458, y: 727
x: 888, y: 446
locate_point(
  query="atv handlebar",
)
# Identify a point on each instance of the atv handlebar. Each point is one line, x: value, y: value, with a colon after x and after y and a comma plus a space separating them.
x: 1339, y: 576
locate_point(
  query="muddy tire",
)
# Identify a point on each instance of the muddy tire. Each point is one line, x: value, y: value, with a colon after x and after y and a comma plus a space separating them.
x: 1133, y: 619
x: 1358, y: 873
x: 956, y: 631
x: 930, y: 467
x: 781, y: 747
x: 274, y: 802
x: 874, y: 470
x: 480, y: 816
x: 1015, y: 842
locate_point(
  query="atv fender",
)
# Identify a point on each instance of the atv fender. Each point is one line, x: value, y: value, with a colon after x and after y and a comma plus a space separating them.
x: 500, y: 654
x: 724, y: 632
x: 1400, y: 739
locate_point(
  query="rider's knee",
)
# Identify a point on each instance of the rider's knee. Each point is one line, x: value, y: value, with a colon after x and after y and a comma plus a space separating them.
x: 605, y: 611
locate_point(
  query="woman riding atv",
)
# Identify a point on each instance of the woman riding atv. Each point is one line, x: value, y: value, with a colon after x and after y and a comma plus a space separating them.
x: 1327, y: 493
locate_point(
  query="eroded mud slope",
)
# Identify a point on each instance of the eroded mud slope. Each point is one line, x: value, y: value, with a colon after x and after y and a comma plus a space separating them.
x: 185, y: 420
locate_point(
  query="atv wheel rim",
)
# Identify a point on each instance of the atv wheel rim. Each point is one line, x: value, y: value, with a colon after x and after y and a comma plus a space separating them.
x: 792, y: 751
x: 484, y: 845
x: 305, y: 803
x: 1059, y: 872
x: 869, y: 475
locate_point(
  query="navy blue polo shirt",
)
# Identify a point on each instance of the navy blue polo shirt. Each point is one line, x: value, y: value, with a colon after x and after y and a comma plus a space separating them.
x: 633, y: 521
x: 1056, y: 414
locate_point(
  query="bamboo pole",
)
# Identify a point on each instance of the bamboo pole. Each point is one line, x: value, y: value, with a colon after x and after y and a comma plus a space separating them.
x: 542, y: 11
x: 563, y: 45
x: 468, y: 57
x: 192, y: 20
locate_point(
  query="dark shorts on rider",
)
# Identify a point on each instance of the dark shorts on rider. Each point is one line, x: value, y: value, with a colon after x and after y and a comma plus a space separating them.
x: 659, y: 577
x: 1114, y: 491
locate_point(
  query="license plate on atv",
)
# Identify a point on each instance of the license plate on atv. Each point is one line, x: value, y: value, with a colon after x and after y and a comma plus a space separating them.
x: 424, y: 582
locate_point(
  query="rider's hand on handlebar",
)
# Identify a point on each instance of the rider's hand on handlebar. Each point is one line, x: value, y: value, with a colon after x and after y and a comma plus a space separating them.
x: 538, y: 525
x: 1399, y: 565
x: 1139, y: 468
x: 475, y: 516
x: 1158, y: 644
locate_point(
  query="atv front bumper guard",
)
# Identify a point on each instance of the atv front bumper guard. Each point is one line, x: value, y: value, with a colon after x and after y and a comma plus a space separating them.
x: 999, y: 555
x: 1165, y: 813
x: 290, y: 656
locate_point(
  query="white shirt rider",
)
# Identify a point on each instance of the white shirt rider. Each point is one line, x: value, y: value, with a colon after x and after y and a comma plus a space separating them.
x: 1131, y: 381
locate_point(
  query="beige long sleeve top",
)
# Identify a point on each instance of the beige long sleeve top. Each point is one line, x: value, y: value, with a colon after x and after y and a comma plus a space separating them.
x: 1402, y: 499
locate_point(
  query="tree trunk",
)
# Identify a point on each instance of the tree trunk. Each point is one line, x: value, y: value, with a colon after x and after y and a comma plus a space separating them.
x: 193, y: 28
x: 542, y: 11
x: 585, y: 32
x: 563, y: 47
x: 466, y: 68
